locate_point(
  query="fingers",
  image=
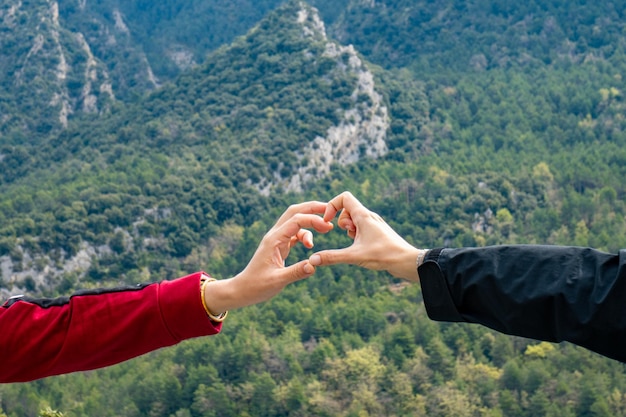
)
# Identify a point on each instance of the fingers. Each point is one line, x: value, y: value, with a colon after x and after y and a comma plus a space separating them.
x: 309, y: 207
x: 291, y: 228
x: 344, y: 201
x: 332, y: 257
x: 294, y: 225
x: 345, y: 222
x: 297, y: 271
x: 306, y: 237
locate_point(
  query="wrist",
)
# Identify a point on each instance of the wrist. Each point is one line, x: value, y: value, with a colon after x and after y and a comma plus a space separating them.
x: 407, y: 267
x: 216, y: 298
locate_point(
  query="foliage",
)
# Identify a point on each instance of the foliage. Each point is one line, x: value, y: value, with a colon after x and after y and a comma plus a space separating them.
x: 162, y: 175
x: 506, y: 127
x: 436, y: 37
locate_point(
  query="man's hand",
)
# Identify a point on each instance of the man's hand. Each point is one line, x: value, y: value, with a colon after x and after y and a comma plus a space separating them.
x: 376, y: 245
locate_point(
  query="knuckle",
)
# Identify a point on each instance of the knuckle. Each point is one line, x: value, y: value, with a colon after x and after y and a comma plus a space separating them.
x: 300, y: 217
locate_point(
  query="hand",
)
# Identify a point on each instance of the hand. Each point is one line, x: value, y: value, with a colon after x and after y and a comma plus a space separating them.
x: 266, y: 274
x: 376, y: 245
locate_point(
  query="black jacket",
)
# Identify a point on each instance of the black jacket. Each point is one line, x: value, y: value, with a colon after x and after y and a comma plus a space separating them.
x: 551, y: 293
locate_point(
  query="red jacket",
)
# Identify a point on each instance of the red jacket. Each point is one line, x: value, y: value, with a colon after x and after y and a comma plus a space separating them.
x: 96, y: 328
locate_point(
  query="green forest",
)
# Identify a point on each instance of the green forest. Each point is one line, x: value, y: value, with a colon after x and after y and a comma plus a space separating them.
x: 505, y: 125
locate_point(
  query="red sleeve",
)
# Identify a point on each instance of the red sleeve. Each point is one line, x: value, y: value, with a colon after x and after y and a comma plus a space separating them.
x: 93, y: 329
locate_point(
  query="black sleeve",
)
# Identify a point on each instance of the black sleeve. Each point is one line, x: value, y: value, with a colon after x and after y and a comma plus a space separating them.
x: 551, y: 293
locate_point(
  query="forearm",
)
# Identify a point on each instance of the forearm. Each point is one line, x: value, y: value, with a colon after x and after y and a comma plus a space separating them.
x: 544, y: 292
x: 89, y: 330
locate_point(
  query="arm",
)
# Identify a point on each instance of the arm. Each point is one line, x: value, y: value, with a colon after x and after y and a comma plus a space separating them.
x: 544, y: 292
x: 551, y: 293
x: 92, y: 329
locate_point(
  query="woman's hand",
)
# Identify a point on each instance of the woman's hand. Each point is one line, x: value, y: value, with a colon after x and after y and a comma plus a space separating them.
x: 266, y: 274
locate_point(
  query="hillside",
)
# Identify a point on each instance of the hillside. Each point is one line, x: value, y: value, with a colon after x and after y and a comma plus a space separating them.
x: 81, y: 56
x: 273, y: 111
x: 461, y: 124
x: 457, y: 35
x: 61, y: 60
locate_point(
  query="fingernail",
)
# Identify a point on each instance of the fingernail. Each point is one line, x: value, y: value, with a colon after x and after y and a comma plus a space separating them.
x: 315, y: 260
x: 309, y: 269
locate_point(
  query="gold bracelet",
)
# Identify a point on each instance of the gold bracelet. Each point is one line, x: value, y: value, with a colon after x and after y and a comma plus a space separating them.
x: 217, y: 318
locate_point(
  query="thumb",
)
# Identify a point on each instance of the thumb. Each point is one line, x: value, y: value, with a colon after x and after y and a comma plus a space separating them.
x: 332, y: 257
x: 296, y: 272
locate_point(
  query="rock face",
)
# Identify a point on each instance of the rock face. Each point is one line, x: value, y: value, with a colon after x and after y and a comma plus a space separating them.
x: 41, y: 271
x: 362, y: 129
x: 350, y: 123
x: 49, y: 69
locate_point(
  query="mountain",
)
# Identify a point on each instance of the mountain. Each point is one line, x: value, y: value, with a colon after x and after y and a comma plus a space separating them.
x: 275, y: 110
x: 47, y: 73
x: 168, y: 37
x: 62, y: 59
x: 455, y: 34
x: 191, y: 125
x: 284, y: 108
x: 81, y: 56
